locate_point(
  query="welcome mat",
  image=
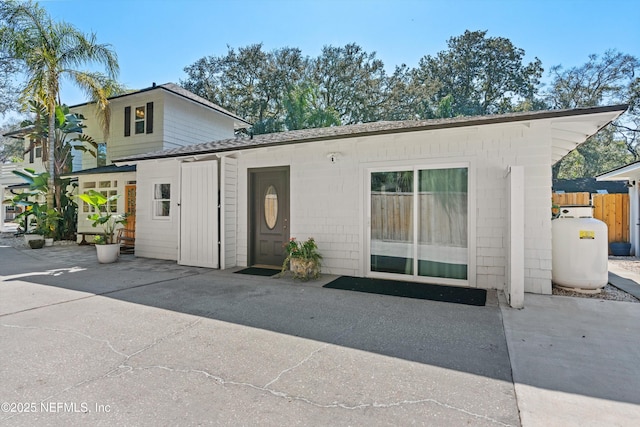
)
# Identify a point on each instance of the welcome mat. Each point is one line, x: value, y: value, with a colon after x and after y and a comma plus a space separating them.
x: 258, y: 271
x: 396, y: 288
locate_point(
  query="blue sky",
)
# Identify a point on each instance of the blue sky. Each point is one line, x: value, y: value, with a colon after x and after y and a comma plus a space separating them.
x: 156, y: 39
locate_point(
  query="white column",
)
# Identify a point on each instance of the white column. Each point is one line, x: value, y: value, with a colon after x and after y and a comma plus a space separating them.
x: 515, y: 241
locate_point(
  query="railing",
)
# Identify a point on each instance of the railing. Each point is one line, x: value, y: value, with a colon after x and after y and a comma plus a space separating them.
x: 6, y: 169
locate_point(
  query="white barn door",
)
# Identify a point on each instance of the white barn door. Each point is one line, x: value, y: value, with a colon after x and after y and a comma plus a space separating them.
x: 199, y: 214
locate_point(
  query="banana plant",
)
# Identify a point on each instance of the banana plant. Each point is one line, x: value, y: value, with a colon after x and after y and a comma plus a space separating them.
x: 103, y: 215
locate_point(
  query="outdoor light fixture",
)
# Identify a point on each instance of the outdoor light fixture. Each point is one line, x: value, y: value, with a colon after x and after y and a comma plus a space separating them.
x: 333, y: 157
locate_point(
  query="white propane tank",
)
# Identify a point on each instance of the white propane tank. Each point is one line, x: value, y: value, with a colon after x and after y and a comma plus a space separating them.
x: 579, y: 251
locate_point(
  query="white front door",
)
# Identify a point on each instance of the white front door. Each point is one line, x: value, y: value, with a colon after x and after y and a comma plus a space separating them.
x: 199, y: 214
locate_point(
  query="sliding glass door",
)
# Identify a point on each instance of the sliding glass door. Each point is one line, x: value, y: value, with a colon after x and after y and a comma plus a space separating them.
x: 419, y: 222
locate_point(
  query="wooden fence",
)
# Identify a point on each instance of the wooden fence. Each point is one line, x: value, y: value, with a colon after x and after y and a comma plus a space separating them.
x: 571, y: 199
x: 612, y: 209
x: 440, y: 221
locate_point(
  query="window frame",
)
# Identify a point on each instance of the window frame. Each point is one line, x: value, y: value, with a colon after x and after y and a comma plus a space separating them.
x: 154, y: 201
x: 139, y: 120
x: 366, y: 172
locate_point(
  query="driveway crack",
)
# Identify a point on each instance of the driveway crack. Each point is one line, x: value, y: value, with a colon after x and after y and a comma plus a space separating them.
x: 110, y: 372
x: 339, y: 405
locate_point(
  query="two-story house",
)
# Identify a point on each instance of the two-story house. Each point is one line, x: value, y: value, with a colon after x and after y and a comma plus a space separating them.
x: 9, y: 182
x: 157, y: 118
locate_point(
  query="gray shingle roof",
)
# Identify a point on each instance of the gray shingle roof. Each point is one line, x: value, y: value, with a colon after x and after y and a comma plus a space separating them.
x: 363, y: 129
x: 178, y: 90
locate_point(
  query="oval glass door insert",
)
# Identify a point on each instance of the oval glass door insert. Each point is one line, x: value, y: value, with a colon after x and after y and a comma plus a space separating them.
x: 271, y: 207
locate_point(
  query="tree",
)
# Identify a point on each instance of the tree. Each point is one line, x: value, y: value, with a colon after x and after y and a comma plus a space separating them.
x: 260, y: 86
x: 48, y: 52
x: 11, y: 149
x: 250, y: 82
x: 484, y: 75
x: 602, y: 80
x: 351, y: 81
x: 304, y: 112
x: 68, y: 135
x: 8, y: 69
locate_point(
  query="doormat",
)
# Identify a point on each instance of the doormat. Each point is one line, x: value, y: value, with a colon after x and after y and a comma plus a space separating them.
x: 257, y: 271
x: 396, y: 288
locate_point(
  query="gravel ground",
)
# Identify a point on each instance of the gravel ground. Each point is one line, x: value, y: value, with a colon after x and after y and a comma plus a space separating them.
x: 609, y: 292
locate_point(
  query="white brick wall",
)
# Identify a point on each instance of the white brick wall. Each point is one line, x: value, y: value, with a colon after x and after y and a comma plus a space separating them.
x: 327, y: 200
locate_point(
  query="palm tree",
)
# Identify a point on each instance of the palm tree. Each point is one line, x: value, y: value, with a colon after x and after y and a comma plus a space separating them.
x: 48, y: 52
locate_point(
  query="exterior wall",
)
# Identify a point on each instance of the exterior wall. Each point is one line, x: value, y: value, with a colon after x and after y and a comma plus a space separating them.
x: 176, y: 122
x: 186, y: 123
x: 117, y: 144
x: 229, y: 205
x: 328, y: 199
x: 6, y: 169
x: 157, y: 238
x: 92, y: 182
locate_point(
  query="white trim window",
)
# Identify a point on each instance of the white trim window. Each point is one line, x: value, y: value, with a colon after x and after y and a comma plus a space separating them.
x: 419, y: 223
x: 161, y: 201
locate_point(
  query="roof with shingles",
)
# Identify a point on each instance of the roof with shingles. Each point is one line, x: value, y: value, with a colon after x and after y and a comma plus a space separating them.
x: 363, y: 129
x: 180, y: 91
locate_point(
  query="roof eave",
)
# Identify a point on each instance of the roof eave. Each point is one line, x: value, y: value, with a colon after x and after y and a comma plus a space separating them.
x: 616, y: 111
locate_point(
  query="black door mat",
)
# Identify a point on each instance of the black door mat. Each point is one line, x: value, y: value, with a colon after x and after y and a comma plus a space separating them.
x: 469, y: 296
x: 258, y: 271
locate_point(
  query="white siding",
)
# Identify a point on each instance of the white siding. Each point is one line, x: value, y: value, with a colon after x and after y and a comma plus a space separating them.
x: 327, y: 199
x: 176, y: 122
x: 117, y: 144
x: 157, y: 238
x: 186, y: 123
x: 229, y: 205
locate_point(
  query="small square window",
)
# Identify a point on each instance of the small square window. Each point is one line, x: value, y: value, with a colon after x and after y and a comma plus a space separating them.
x: 161, y: 200
x: 38, y: 152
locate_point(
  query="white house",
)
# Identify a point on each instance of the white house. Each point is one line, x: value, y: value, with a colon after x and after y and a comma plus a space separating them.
x: 32, y: 159
x: 156, y: 118
x: 159, y: 117
x: 463, y: 201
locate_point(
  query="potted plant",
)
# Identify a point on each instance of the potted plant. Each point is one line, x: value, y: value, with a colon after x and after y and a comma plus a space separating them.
x: 620, y: 248
x: 106, y: 249
x: 31, y: 222
x: 48, y: 224
x: 303, y: 259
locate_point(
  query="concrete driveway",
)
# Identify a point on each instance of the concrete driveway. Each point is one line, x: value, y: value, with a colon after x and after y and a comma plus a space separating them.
x: 148, y: 342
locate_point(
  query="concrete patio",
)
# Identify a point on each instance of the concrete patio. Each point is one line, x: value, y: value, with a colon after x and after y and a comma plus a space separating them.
x: 148, y: 342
